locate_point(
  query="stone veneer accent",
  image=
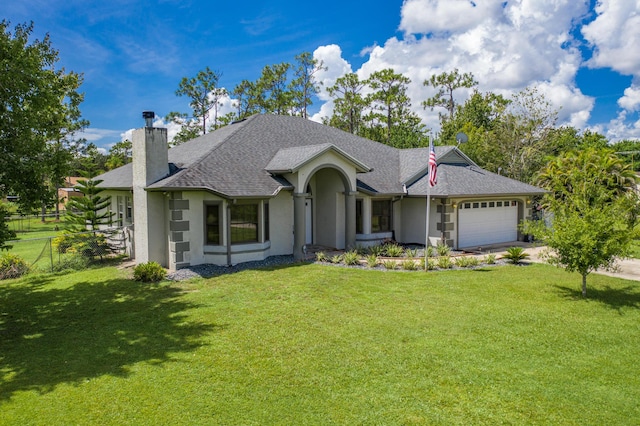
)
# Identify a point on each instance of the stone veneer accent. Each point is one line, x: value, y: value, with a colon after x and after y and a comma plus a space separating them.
x: 177, y: 227
x: 445, y: 224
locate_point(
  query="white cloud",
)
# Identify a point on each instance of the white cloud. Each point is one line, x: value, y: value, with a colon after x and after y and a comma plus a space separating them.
x: 615, y: 34
x: 631, y: 99
x: 620, y: 128
x: 507, y: 46
x: 451, y: 16
x: 92, y: 134
x: 573, y: 107
x: 336, y: 67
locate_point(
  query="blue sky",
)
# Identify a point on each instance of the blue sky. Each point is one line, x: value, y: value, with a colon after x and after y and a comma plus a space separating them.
x: 584, y: 57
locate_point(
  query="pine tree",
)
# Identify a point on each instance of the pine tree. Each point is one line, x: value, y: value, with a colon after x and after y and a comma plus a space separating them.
x: 89, y: 212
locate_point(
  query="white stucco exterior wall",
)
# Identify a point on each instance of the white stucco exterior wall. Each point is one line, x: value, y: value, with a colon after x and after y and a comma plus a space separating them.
x: 414, y: 217
x: 150, y: 163
x: 280, y: 234
x: 281, y: 222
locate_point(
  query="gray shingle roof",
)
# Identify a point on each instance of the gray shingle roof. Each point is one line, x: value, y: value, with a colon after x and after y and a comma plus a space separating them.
x: 233, y: 161
x: 464, y: 180
x: 414, y: 162
x: 119, y: 178
x: 291, y: 159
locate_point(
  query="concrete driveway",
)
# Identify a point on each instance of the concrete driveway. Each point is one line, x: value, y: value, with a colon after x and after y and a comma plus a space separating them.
x: 628, y: 269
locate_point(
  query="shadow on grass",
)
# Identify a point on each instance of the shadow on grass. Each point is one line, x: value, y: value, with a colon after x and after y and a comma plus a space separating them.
x: 50, y: 336
x: 615, y: 298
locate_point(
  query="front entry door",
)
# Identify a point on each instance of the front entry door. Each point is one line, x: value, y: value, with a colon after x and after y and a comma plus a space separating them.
x: 308, y: 239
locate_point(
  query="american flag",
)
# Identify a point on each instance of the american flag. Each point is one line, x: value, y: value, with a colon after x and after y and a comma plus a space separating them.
x: 433, y: 166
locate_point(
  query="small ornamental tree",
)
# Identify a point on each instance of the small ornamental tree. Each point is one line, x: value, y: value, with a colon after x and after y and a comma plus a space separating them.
x: 89, y: 213
x: 594, y: 209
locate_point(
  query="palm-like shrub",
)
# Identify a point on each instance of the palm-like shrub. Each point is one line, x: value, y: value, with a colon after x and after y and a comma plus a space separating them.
x: 515, y: 255
x: 372, y: 261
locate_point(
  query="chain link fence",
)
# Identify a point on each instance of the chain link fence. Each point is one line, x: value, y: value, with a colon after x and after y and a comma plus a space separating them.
x: 73, y: 250
x: 32, y: 222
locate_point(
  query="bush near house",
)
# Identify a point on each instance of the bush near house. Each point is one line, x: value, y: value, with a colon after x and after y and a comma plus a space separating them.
x: 149, y: 272
x: 12, y: 266
x: 515, y: 255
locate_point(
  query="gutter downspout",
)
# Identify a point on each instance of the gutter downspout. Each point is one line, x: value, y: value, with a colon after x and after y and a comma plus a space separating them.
x: 228, y: 229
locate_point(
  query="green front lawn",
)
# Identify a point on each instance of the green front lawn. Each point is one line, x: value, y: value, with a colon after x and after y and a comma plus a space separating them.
x: 312, y: 344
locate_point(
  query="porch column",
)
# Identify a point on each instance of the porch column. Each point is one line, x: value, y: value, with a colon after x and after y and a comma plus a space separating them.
x: 299, y: 225
x: 350, y: 220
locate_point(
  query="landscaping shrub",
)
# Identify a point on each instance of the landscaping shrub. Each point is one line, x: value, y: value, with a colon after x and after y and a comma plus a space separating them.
x: 336, y: 258
x: 362, y: 251
x: 515, y: 255
x: 63, y: 242
x: 376, y: 250
x: 321, y: 257
x: 409, y: 265
x: 393, y: 250
x: 72, y: 263
x: 444, y: 262
x: 466, y: 261
x: 490, y: 259
x: 372, y: 261
x: 351, y: 258
x: 90, y: 244
x: 473, y: 261
x: 411, y: 252
x: 430, y: 251
x: 12, y: 266
x: 443, y: 249
x: 390, y: 264
x: 462, y: 261
x: 149, y: 272
x: 433, y: 262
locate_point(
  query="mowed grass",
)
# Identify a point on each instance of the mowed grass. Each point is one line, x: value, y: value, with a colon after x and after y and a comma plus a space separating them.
x: 33, y: 239
x: 31, y: 227
x: 312, y: 344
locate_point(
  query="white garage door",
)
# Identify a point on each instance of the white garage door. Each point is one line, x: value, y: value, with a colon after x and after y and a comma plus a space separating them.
x: 487, y: 222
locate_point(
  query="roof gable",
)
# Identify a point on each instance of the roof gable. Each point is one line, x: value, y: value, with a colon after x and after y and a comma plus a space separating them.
x: 289, y: 160
x: 415, y: 162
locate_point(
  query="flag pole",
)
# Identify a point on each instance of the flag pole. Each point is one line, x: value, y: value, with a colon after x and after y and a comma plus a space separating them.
x: 426, y: 232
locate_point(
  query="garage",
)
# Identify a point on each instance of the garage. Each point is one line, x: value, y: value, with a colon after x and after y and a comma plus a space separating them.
x: 487, y: 222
